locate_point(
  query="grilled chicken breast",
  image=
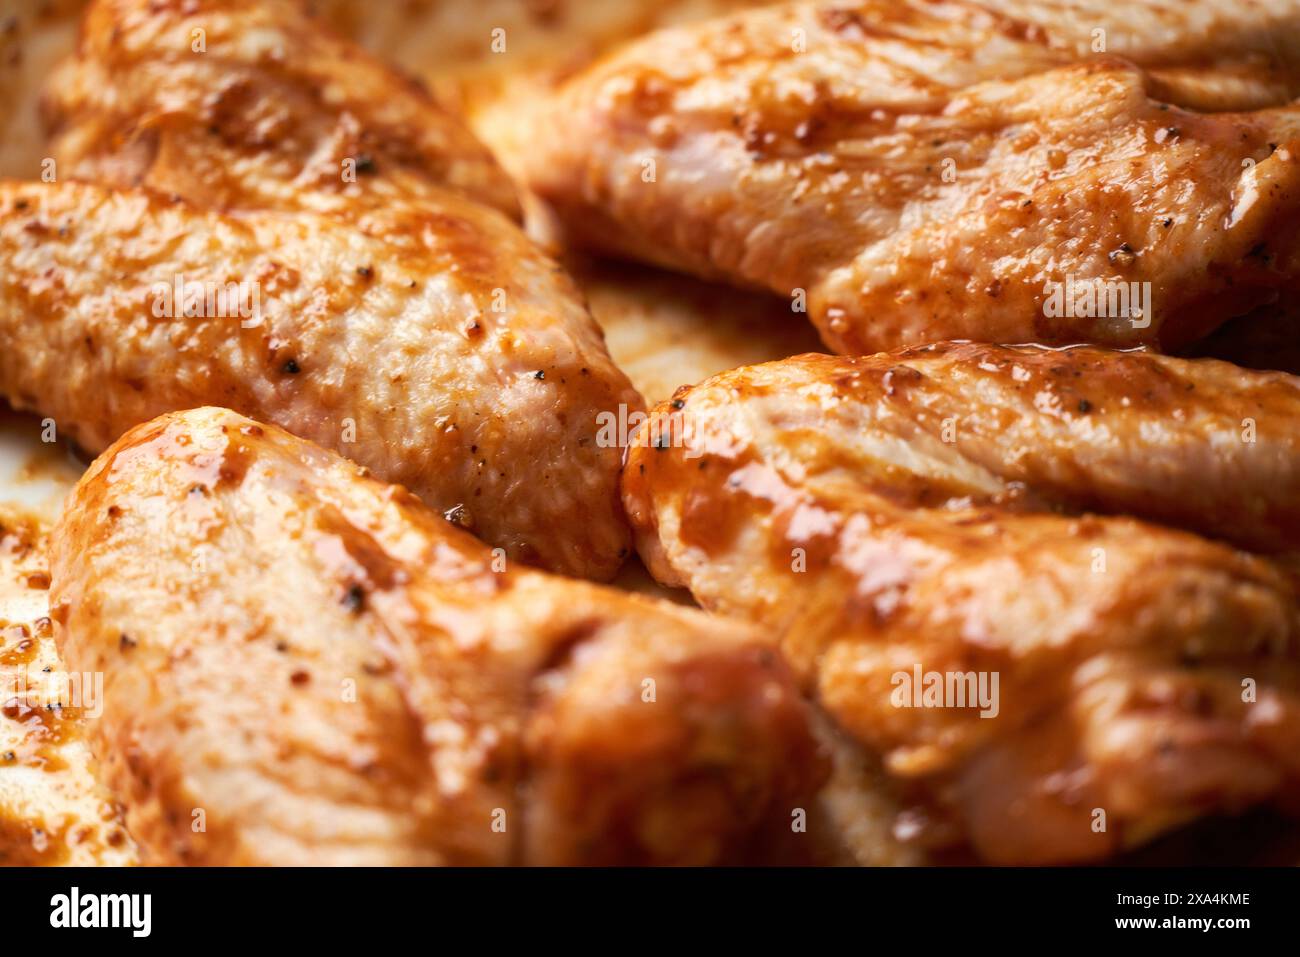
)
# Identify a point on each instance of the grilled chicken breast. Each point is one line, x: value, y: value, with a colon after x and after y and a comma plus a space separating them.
x: 1039, y: 518
x: 321, y: 671
x: 912, y: 171
x: 342, y: 264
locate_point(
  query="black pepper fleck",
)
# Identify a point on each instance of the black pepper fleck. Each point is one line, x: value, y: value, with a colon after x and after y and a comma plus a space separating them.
x: 354, y: 599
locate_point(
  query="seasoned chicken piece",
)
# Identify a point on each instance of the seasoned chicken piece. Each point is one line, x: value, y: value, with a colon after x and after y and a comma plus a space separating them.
x: 1206, y: 54
x: 987, y: 515
x: 53, y: 809
x: 321, y: 671
x: 393, y: 356
x: 664, y: 331
x: 250, y: 103
x: 907, y: 171
x: 403, y: 319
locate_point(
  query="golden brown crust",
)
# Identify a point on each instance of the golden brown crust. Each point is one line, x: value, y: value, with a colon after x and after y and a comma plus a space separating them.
x: 388, y: 309
x: 325, y: 672
x: 974, y: 547
x: 931, y: 509
x: 235, y: 103
x: 917, y: 171
x: 381, y: 352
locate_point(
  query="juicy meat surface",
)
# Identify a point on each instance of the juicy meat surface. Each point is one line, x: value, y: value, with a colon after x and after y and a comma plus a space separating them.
x: 911, y: 171
x: 264, y: 114
x: 1039, y: 515
x: 390, y: 355
x: 402, y: 317
x: 332, y: 674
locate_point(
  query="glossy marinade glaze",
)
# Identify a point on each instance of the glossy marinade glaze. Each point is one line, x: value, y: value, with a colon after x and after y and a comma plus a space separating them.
x: 906, y: 172
x: 325, y: 672
x: 279, y: 223
x: 1076, y: 522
